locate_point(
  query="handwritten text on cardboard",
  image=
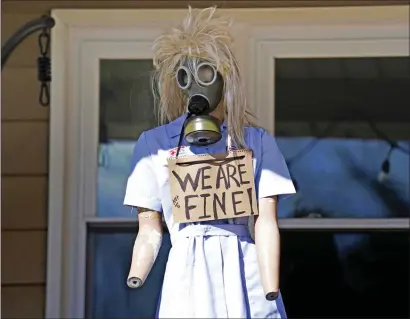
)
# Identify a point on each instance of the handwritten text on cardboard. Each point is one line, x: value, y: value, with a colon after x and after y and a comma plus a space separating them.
x: 212, y: 187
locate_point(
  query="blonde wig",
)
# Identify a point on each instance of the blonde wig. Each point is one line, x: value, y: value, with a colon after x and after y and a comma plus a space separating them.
x: 203, y: 36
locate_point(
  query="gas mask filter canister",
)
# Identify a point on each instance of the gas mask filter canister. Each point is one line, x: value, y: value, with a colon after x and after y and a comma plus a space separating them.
x: 203, y: 88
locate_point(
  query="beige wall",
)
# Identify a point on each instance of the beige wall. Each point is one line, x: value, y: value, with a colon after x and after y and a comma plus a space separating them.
x: 24, y: 179
x: 25, y: 150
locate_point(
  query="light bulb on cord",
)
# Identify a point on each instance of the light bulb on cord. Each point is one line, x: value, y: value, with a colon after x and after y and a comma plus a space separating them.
x: 385, y: 169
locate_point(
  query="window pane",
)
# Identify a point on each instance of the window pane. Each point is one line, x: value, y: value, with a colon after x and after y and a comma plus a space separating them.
x: 126, y: 109
x: 345, y: 275
x: 337, y: 122
x: 108, y: 295
x: 323, y: 275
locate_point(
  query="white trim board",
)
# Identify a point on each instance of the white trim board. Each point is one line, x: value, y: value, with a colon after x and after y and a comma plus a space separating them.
x: 81, y: 37
x: 334, y: 224
x: 81, y: 122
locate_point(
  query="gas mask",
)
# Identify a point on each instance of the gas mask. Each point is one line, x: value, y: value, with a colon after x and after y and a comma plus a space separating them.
x: 203, y: 87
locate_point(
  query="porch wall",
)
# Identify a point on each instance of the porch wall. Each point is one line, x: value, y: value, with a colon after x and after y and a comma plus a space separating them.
x: 24, y: 133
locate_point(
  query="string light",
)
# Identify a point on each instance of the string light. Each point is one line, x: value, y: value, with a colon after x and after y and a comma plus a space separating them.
x: 385, y: 169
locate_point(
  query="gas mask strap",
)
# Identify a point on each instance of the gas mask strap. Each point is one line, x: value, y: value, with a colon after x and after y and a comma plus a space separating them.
x: 228, y: 143
x: 181, y: 135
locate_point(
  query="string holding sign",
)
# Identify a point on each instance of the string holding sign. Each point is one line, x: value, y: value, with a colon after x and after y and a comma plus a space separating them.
x: 211, y: 187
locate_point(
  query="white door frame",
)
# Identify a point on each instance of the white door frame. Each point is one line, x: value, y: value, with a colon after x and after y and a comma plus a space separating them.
x: 81, y: 37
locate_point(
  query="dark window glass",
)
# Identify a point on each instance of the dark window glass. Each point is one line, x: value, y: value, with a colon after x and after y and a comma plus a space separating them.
x: 323, y: 274
x: 343, y: 127
x: 108, y: 295
x: 336, y: 120
x: 126, y: 110
x: 345, y: 275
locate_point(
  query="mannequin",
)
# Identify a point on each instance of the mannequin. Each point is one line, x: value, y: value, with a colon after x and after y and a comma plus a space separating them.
x: 214, y: 268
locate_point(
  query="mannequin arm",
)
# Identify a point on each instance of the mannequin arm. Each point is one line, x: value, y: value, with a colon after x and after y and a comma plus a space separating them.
x: 267, y: 241
x: 146, y: 247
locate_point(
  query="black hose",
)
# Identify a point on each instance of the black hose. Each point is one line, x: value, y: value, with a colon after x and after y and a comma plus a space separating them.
x: 45, y: 22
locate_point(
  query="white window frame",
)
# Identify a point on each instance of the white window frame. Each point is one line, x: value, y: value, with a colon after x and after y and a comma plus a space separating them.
x: 82, y: 37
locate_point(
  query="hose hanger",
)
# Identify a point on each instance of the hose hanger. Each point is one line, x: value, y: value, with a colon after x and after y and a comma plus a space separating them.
x: 45, y: 23
x: 44, y: 67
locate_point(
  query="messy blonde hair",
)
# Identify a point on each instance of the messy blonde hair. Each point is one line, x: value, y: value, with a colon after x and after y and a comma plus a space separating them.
x: 202, y: 36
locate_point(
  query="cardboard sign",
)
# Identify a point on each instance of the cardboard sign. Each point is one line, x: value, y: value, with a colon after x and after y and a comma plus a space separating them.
x: 211, y: 187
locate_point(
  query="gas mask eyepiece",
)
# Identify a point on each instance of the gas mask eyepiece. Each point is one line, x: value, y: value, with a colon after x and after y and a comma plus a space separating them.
x: 203, y: 87
x: 184, y: 77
